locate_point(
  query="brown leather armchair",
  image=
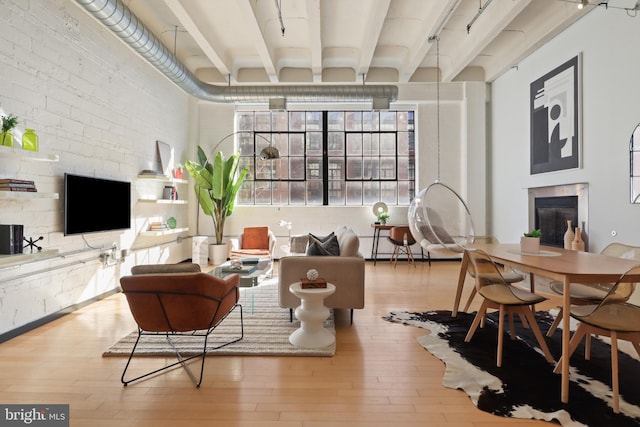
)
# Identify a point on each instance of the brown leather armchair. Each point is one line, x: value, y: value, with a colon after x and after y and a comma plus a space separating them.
x: 174, y: 300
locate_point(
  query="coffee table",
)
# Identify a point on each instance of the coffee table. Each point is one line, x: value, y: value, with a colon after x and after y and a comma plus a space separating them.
x: 251, y: 279
x: 312, y: 313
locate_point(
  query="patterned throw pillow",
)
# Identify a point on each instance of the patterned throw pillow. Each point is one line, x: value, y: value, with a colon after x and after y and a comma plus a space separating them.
x: 327, y: 245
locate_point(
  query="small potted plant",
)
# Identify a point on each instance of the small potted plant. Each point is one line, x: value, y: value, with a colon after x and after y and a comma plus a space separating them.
x: 8, y: 123
x: 530, y: 242
x: 383, y: 218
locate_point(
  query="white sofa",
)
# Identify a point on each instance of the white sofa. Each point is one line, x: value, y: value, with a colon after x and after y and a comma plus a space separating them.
x: 345, y: 271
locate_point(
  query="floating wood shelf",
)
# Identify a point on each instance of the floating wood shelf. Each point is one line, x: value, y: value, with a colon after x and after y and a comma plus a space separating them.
x: 163, y: 232
x: 27, y: 195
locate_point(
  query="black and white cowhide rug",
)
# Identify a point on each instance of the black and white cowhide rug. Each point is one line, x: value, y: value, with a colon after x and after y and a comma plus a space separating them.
x: 525, y: 386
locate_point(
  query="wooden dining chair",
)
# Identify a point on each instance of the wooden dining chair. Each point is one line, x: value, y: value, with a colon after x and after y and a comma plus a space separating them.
x: 593, y: 293
x: 619, y: 320
x: 506, y: 298
x: 401, y: 238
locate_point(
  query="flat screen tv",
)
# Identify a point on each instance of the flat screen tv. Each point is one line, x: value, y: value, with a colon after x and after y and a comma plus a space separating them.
x: 95, y: 204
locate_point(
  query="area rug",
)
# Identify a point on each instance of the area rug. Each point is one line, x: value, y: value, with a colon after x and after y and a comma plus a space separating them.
x: 266, y: 331
x: 525, y: 386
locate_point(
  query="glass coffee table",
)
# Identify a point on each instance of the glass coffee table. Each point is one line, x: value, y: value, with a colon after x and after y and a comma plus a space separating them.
x: 252, y: 273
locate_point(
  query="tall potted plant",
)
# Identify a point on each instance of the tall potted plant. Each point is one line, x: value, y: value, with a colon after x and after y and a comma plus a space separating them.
x: 216, y: 186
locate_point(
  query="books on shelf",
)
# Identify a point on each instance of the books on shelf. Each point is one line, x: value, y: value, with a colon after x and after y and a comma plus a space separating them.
x: 10, y: 184
x: 158, y: 226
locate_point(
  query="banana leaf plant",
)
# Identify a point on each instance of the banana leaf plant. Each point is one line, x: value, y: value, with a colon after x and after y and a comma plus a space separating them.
x: 216, y: 186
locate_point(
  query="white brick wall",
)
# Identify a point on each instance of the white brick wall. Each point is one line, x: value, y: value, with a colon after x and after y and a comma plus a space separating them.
x: 101, y: 108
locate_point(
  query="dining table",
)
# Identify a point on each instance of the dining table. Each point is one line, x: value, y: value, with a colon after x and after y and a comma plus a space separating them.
x: 567, y: 266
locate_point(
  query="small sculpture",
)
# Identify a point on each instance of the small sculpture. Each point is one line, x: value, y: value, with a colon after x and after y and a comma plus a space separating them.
x: 236, y: 264
x: 312, y: 274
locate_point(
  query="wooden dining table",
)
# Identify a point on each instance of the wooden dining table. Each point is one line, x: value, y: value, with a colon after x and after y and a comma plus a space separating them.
x: 558, y: 264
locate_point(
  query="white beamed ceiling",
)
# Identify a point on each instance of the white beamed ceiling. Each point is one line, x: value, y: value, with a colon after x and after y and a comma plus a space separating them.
x: 351, y: 41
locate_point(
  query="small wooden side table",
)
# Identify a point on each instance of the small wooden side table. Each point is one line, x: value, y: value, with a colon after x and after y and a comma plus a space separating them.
x: 376, y: 239
x: 312, y: 313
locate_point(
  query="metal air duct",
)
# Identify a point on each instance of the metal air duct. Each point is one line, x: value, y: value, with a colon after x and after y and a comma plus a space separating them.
x: 116, y: 16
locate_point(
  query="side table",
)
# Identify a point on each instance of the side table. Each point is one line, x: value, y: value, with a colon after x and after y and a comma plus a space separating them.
x: 312, y: 313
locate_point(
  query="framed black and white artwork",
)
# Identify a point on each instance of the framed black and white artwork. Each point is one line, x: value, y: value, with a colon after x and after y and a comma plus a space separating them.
x: 555, y: 119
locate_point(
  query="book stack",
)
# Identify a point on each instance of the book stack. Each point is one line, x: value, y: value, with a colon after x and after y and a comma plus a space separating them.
x: 158, y: 226
x: 10, y: 184
x: 11, y: 239
x: 153, y: 173
x: 318, y: 283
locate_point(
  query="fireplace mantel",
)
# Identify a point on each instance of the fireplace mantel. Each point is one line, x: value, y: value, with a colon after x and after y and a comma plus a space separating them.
x: 581, y: 190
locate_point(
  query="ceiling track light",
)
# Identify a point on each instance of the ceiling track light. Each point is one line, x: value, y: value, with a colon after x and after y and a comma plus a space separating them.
x: 583, y: 3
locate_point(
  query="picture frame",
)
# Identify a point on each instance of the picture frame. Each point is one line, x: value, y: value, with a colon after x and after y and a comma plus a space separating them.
x: 555, y: 120
x: 165, y: 155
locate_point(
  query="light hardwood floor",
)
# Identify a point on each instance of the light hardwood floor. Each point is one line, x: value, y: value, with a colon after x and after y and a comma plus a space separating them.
x: 380, y: 375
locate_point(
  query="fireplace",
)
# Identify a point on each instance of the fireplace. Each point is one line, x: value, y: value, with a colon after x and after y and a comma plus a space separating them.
x: 551, y: 207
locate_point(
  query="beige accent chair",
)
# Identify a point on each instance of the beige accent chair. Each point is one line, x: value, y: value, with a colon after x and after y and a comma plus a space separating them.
x: 613, y: 317
x: 508, y: 299
x: 594, y: 293
x: 345, y: 271
x: 253, y: 242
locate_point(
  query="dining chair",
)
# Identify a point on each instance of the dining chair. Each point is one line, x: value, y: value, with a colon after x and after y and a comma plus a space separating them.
x: 593, y: 293
x: 508, y: 275
x: 612, y: 317
x: 401, y: 238
x: 506, y: 298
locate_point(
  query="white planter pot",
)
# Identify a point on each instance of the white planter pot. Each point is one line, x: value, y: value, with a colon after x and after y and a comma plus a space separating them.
x: 217, y: 254
x: 530, y: 244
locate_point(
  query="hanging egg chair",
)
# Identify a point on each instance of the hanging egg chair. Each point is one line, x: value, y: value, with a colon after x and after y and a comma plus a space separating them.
x: 438, y: 216
x: 440, y: 219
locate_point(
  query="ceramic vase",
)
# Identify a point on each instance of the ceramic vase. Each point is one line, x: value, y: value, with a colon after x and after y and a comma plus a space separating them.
x: 30, y: 140
x: 6, y: 139
x: 530, y: 244
x: 569, y: 235
x: 578, y: 243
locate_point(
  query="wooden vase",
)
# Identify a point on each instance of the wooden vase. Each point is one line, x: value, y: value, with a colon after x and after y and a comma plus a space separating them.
x: 569, y: 235
x: 578, y: 243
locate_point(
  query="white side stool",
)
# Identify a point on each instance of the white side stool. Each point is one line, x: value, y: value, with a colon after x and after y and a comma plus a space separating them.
x: 312, y: 313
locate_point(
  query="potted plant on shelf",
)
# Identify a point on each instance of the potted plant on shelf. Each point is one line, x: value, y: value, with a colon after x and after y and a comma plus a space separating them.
x: 216, y: 187
x: 8, y: 123
x: 530, y: 242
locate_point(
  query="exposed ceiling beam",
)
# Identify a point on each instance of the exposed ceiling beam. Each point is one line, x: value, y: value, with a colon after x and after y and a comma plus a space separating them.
x: 188, y: 23
x: 492, y: 22
x: 253, y: 27
x: 370, y: 40
x: 557, y: 17
x: 315, y: 39
x: 421, y: 48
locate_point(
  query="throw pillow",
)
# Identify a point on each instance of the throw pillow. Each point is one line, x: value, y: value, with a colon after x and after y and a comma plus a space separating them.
x: 255, y: 238
x: 349, y: 243
x: 329, y: 246
x: 439, y: 234
x: 320, y: 239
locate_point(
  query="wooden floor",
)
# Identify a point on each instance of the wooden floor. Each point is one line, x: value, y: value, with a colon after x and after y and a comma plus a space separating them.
x: 380, y: 375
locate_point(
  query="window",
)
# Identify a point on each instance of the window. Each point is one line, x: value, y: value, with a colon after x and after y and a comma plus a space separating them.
x: 337, y: 158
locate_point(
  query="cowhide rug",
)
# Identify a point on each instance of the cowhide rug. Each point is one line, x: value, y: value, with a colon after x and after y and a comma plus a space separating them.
x: 525, y: 386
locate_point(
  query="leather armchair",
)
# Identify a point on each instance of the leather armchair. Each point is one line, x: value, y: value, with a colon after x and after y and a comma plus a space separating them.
x: 173, y: 300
